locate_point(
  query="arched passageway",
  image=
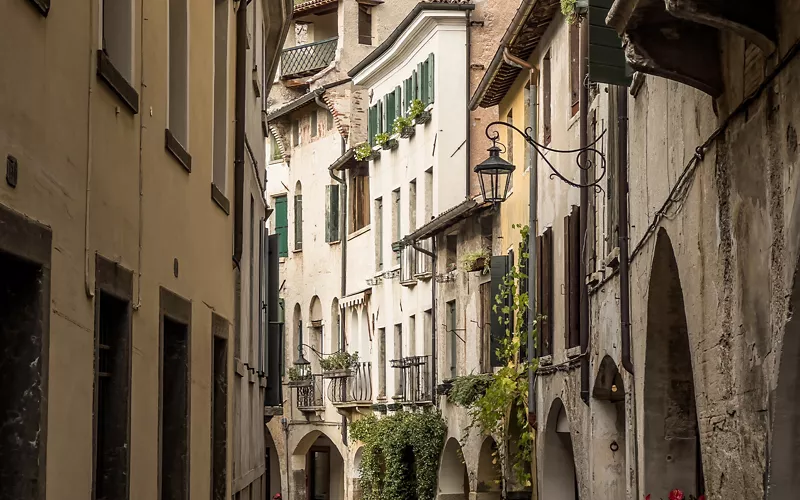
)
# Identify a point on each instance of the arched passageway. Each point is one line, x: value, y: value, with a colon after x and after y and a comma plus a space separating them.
x: 608, y: 432
x: 317, y: 469
x: 671, y: 447
x: 559, y: 481
x: 273, y: 472
x: 355, y: 475
x: 784, y: 460
x: 517, y: 484
x: 489, y: 484
x: 453, y: 479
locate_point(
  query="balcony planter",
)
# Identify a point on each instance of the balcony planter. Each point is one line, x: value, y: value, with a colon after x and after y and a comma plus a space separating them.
x: 403, y: 126
x: 408, y: 132
x: 391, y: 143
x: 299, y: 383
x: 338, y: 364
x: 423, y: 118
x: 365, y: 152
x: 338, y: 373
x: 476, y: 261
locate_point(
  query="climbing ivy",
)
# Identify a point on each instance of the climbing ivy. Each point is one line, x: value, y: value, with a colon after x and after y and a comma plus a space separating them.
x: 499, y: 406
x: 400, y: 458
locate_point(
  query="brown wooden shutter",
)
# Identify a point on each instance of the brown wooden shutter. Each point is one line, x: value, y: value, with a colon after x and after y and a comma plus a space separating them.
x: 572, y: 276
x: 545, y: 291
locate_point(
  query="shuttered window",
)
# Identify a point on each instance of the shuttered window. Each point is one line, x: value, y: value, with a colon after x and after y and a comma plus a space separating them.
x: 546, y: 91
x: 430, y: 78
x: 332, y: 213
x: 298, y: 222
x: 544, y: 291
x: 572, y: 277
x: 390, y: 111
x: 499, y: 268
x: 398, y: 101
x: 282, y: 226
x: 414, y: 85
x: 421, y: 79
x: 372, y: 127
x: 379, y: 117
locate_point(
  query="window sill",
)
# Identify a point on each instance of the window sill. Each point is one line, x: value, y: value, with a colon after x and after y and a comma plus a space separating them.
x: 546, y: 360
x: 409, y: 283
x: 573, y: 352
x: 220, y: 199
x: 331, y: 243
x: 178, y: 151
x: 297, y: 250
x: 42, y: 5
x: 109, y: 74
x: 358, y: 232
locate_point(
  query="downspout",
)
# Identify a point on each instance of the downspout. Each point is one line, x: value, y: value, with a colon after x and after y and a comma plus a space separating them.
x: 434, y: 364
x: 583, y: 212
x: 240, y: 104
x: 468, y: 114
x: 89, y: 286
x: 533, y: 230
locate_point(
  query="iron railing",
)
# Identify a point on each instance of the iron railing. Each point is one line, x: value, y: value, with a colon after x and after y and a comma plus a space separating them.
x: 309, y: 398
x: 415, y: 379
x: 355, y: 388
x: 307, y: 59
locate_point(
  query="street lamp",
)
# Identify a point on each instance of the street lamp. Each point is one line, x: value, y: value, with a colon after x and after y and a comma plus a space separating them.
x: 494, y: 174
x: 302, y: 364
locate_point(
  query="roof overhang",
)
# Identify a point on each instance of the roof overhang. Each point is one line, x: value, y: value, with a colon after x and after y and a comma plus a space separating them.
x: 296, y: 104
x: 445, y: 220
x: 521, y: 38
x: 355, y: 299
x: 348, y: 161
x: 407, y: 36
x: 315, y: 7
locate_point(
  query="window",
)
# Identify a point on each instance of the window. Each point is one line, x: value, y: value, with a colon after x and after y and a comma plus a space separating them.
x: 398, y: 355
x: 484, y: 327
x: 359, y: 199
x: 546, y: 91
x: 544, y: 291
x: 381, y: 363
x: 332, y: 213
x: 510, y: 147
x: 282, y: 225
x: 428, y: 195
x: 112, y: 358
x: 364, y: 25
x: 174, y: 410
x: 390, y: 110
x: 425, y: 74
x: 572, y: 277
x: 412, y: 335
x: 298, y: 216
x: 574, y: 67
x: 253, y: 277
x: 397, y: 232
x: 452, y: 252
x: 219, y: 416
x: 296, y: 133
x: 178, y: 118
x: 274, y: 149
x: 452, y: 338
x: 412, y: 205
x: 220, y: 144
x: 314, y: 124
x: 117, y: 35
x: 329, y: 118
x: 427, y: 326
x: 379, y: 233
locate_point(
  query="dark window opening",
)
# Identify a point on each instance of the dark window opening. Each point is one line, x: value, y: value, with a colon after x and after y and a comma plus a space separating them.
x: 544, y: 292
x: 574, y: 67
x: 219, y: 429
x: 21, y: 391
x: 546, y: 95
x: 364, y: 25
x: 572, y: 277
x: 359, y: 199
x: 112, y: 365
x: 175, y: 411
x: 452, y: 252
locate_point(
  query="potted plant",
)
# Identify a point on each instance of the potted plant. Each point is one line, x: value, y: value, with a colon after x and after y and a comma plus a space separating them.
x: 476, y: 261
x: 418, y: 113
x: 574, y: 10
x: 363, y: 152
x: 404, y: 126
x: 338, y: 364
x: 382, y: 140
x: 298, y: 378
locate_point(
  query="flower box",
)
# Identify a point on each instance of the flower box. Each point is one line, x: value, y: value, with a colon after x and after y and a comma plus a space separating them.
x: 337, y: 373
x: 391, y: 143
x: 299, y: 383
x: 407, y: 132
x: 423, y: 118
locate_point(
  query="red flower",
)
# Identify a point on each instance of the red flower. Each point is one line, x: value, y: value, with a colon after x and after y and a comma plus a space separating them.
x: 676, y: 495
x: 647, y: 497
x: 702, y: 497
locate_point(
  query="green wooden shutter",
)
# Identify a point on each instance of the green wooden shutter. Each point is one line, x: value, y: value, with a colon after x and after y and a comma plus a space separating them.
x: 421, y: 87
x: 414, y: 85
x: 379, y: 115
x: 332, y: 213
x: 372, y: 125
x: 282, y: 226
x: 499, y: 269
x: 430, y: 74
x: 398, y: 101
x: 607, y: 62
x: 390, y: 110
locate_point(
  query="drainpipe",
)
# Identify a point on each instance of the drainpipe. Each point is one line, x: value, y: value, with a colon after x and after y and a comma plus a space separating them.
x: 468, y: 114
x: 533, y: 230
x: 434, y: 365
x: 240, y: 104
x: 583, y: 212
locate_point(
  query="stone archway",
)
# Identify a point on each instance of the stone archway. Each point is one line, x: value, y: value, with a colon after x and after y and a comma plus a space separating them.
x: 671, y: 447
x: 355, y: 474
x: 273, y: 472
x: 453, y: 478
x: 318, y: 471
x: 784, y: 461
x: 608, y: 431
x: 559, y: 481
x: 490, y: 474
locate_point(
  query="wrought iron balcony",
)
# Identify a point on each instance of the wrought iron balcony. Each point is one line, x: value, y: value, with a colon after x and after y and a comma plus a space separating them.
x: 353, y: 390
x: 309, y: 397
x: 305, y: 60
x: 415, y: 380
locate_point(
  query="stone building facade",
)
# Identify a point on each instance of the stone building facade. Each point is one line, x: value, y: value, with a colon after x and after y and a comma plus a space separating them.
x: 693, y: 393
x: 121, y: 322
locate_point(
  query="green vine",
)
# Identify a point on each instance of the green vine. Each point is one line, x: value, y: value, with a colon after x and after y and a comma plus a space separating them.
x: 501, y: 408
x: 363, y: 151
x: 572, y: 12
x: 400, y: 458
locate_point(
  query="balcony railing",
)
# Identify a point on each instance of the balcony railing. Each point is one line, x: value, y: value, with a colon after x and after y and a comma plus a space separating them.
x: 305, y: 60
x: 415, y: 379
x: 353, y: 389
x: 309, y: 398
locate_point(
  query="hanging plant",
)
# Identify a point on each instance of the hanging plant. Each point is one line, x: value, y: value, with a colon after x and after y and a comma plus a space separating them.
x: 400, y: 458
x: 404, y: 126
x: 418, y: 113
x: 477, y: 261
x: 338, y: 363
x: 574, y: 10
x: 297, y: 378
x: 465, y: 391
x: 363, y: 152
